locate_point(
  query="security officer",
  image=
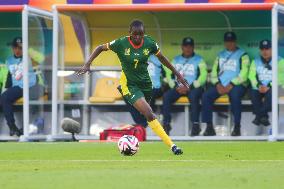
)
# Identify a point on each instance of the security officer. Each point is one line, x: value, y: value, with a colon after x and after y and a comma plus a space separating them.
x: 229, y: 75
x: 193, y: 68
x: 260, y: 76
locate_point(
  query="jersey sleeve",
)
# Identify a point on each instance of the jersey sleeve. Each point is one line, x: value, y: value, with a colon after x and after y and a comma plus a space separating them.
x: 114, y: 45
x: 155, y: 49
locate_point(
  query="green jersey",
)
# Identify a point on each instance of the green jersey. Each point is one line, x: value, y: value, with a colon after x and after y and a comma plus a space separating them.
x: 133, y: 61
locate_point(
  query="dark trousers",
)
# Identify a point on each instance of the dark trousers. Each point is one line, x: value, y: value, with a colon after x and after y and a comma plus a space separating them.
x: 11, y: 95
x: 171, y: 96
x: 137, y: 117
x: 235, y: 97
x: 261, y: 103
x: 7, y: 100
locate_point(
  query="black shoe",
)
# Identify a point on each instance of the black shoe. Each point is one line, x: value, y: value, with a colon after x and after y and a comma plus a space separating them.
x: 176, y: 150
x: 236, y: 131
x: 19, y: 132
x: 167, y: 128
x: 256, y: 121
x: 264, y: 121
x: 210, y: 131
x: 195, y: 129
x: 15, y: 131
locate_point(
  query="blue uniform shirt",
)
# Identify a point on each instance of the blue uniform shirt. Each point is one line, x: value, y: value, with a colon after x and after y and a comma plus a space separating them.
x: 188, y: 67
x: 15, y: 67
x: 229, y: 65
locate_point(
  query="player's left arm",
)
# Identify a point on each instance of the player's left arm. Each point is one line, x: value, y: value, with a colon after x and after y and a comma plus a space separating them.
x: 98, y: 50
x: 243, y: 75
x: 164, y: 60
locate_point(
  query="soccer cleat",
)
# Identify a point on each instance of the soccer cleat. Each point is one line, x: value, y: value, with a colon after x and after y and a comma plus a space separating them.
x: 210, y: 131
x: 195, y: 129
x: 176, y: 150
x: 256, y: 121
x: 236, y: 131
x: 264, y: 121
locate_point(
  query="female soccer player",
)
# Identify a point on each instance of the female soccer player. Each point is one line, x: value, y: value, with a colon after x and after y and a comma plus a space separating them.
x: 133, y: 52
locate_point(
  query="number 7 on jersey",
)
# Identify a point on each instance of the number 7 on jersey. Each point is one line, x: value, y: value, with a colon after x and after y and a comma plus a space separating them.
x: 135, y: 63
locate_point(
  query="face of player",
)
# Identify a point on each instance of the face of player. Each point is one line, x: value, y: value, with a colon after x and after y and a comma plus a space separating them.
x: 137, y: 34
x: 266, y: 53
x: 18, y: 51
x: 230, y: 45
x: 187, y: 50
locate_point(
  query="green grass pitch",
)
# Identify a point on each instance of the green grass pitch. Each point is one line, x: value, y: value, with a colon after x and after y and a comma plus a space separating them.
x: 204, y: 165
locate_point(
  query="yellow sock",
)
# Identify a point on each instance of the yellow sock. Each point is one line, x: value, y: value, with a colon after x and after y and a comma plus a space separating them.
x: 158, y: 129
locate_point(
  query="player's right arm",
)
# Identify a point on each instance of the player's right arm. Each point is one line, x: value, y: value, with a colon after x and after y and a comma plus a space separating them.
x: 86, y: 67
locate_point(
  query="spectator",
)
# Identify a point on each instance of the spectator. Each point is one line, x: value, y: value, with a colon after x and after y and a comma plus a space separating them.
x: 260, y: 76
x: 229, y: 76
x: 194, y: 70
x: 15, y: 91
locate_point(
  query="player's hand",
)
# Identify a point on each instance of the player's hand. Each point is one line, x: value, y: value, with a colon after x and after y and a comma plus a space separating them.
x: 182, y: 90
x: 180, y: 79
x: 263, y: 89
x: 84, y: 69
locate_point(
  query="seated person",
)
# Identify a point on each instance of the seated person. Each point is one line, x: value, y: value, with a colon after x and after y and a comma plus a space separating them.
x: 229, y: 76
x: 15, y: 91
x: 260, y: 76
x: 156, y: 72
x: 194, y: 70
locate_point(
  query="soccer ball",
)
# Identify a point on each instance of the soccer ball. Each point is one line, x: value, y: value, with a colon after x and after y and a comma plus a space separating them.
x: 128, y: 145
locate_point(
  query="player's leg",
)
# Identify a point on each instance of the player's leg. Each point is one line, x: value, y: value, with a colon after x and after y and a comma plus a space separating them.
x: 169, y: 98
x: 256, y: 100
x: 137, y: 117
x: 235, y: 96
x: 208, y: 99
x: 195, y: 95
x: 142, y: 106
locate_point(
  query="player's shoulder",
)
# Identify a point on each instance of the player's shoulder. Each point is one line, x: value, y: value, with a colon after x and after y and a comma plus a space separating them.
x: 119, y: 40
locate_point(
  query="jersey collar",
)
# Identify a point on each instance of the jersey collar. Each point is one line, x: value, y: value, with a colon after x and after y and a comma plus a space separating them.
x: 135, y: 46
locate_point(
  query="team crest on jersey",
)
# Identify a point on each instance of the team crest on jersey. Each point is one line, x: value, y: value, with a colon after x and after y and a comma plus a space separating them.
x: 127, y: 51
x: 146, y: 52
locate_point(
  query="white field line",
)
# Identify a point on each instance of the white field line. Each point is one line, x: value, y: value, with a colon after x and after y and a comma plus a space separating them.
x: 146, y: 160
